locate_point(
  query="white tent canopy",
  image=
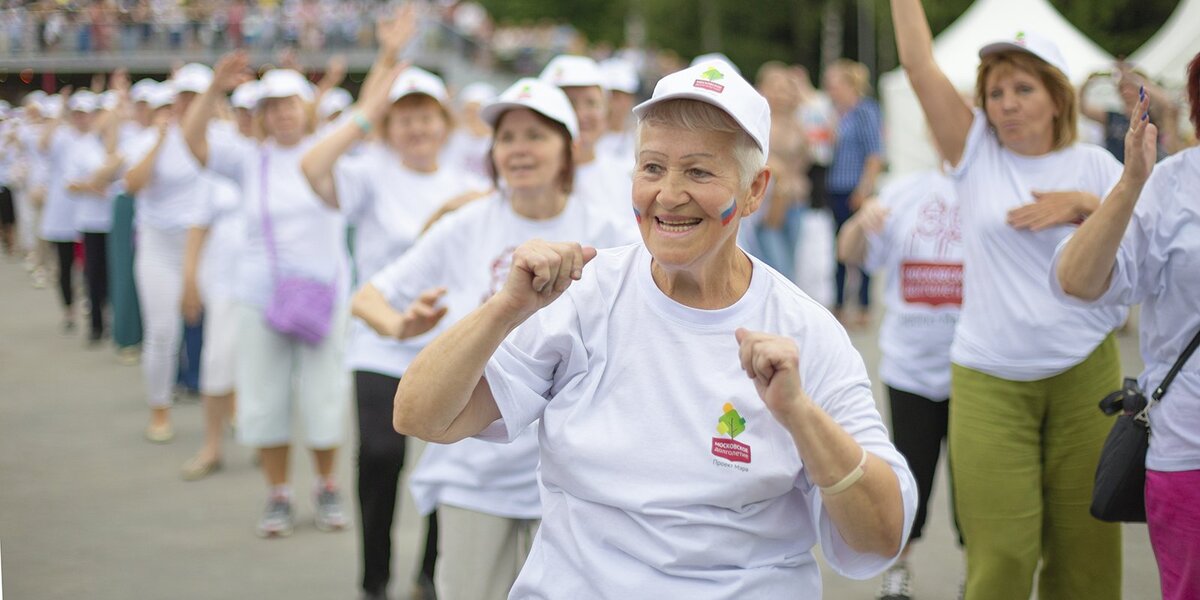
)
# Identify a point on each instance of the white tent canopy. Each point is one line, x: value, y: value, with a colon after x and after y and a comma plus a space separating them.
x: 956, y: 50
x: 1166, y: 55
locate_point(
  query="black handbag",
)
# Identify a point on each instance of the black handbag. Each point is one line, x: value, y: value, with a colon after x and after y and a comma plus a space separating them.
x: 1119, y: 492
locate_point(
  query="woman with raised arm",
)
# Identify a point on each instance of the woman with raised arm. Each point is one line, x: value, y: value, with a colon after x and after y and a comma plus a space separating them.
x: 703, y: 423
x: 1143, y: 246
x: 486, y: 496
x: 1027, y: 370
x: 388, y: 193
x: 293, y: 242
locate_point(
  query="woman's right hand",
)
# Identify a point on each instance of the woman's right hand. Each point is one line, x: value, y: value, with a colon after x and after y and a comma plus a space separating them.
x: 421, y: 316
x: 230, y: 71
x: 872, y: 215
x: 191, y: 305
x: 1141, y: 142
x: 541, y: 271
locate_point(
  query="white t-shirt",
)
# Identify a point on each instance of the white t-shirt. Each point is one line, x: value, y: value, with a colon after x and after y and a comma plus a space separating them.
x: 219, y: 211
x: 469, y: 252
x: 467, y: 153
x: 664, y: 475
x: 609, y: 185
x: 1011, y: 325
x: 618, y: 146
x: 132, y: 143
x: 30, y: 136
x: 1158, y: 265
x: 167, y: 200
x: 388, y: 204
x: 920, y: 250
x: 58, y: 214
x: 93, y: 214
x: 310, y: 237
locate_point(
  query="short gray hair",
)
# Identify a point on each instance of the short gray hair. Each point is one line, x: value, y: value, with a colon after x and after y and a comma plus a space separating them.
x: 694, y: 115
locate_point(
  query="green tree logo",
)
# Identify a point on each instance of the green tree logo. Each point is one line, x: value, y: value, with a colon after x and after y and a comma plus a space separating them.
x: 731, y: 423
x: 712, y: 74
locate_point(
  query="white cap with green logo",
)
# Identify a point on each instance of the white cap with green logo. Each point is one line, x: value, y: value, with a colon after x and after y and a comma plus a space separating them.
x: 715, y: 83
x: 1033, y: 43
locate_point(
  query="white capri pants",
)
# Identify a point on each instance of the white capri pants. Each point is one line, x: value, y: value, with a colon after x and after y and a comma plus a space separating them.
x: 158, y: 270
x: 217, y: 355
x: 272, y: 368
x: 480, y: 555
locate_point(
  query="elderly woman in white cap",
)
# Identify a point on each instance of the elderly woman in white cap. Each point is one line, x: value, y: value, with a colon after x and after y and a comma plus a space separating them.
x: 163, y: 177
x: 703, y: 423
x: 388, y: 193
x: 1025, y: 435
x: 598, y: 178
x: 486, y: 496
x: 291, y: 283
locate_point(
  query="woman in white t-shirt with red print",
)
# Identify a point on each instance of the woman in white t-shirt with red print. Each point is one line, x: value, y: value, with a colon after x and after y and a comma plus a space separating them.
x: 1027, y: 370
x: 703, y: 423
x: 289, y: 234
x: 912, y: 234
x: 486, y: 496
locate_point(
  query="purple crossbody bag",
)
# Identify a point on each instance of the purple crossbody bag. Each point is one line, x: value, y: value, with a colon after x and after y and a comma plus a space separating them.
x: 300, y: 308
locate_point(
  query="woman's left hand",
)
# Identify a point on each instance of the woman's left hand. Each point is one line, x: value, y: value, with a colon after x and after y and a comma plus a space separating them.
x: 773, y: 362
x: 1050, y: 209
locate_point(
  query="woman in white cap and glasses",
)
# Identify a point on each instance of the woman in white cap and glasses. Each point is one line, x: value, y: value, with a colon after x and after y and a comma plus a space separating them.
x: 291, y: 281
x: 164, y: 178
x: 703, y: 423
x: 598, y: 177
x: 388, y: 193
x: 486, y: 496
x: 1025, y: 435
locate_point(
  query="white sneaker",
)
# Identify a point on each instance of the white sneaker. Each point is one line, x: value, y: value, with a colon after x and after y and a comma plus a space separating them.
x: 896, y: 583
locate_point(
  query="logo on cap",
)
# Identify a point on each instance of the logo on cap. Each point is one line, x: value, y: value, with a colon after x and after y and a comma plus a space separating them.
x: 710, y: 77
x: 525, y: 93
x: 1020, y: 38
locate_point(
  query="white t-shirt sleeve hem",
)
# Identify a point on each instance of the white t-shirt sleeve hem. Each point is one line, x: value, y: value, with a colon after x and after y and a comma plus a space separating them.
x: 1113, y: 296
x: 518, y: 404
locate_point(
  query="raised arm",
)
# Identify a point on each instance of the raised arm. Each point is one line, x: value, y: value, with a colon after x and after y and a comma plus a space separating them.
x: 443, y: 396
x: 139, y: 175
x: 948, y: 115
x: 226, y: 76
x: 1086, y: 107
x: 1086, y: 264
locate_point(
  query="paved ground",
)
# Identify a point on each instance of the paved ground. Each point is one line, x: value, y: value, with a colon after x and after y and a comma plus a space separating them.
x: 90, y: 510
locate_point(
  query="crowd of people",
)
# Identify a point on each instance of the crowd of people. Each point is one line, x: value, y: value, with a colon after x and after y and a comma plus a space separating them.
x: 595, y: 309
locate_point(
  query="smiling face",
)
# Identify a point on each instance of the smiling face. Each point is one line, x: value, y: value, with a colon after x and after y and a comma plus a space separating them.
x: 285, y: 119
x: 591, y: 108
x: 688, y: 195
x: 529, y: 152
x: 417, y: 128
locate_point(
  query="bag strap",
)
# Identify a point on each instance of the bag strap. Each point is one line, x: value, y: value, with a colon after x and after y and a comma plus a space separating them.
x: 267, y: 228
x: 1178, y: 366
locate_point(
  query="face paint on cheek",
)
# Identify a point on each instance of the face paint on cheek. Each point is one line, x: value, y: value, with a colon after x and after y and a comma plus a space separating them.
x: 727, y: 214
x: 637, y: 215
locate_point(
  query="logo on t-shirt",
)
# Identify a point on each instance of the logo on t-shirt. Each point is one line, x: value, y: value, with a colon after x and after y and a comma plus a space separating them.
x: 931, y: 271
x: 731, y: 424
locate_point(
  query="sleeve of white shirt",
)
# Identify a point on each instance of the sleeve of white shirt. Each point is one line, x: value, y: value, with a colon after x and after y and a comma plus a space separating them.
x: 423, y: 265
x: 836, y: 379
x: 352, y: 177
x: 977, y: 136
x: 227, y: 155
x: 537, y: 360
x: 879, y: 243
x: 1139, y: 262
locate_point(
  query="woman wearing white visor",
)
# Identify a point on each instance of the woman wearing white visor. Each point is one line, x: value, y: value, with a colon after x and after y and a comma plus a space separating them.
x: 286, y: 353
x: 666, y: 471
x: 599, y: 178
x: 486, y: 496
x: 388, y: 193
x: 164, y: 179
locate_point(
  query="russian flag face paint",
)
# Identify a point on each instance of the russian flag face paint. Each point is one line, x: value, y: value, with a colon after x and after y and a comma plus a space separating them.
x: 637, y: 215
x: 727, y: 214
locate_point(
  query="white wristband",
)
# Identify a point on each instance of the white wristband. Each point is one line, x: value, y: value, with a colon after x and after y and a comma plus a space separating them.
x: 848, y: 480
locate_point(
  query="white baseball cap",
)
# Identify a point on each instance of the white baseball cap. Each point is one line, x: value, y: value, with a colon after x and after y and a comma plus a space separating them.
x: 478, y: 92
x: 620, y: 76
x: 34, y: 98
x: 719, y: 85
x: 192, y: 77
x: 109, y: 100
x: 52, y: 106
x: 245, y: 96
x: 85, y: 101
x: 568, y: 70
x: 139, y: 91
x: 284, y: 83
x: 538, y: 96
x: 712, y: 56
x: 1033, y: 43
x: 415, y: 80
x: 160, y: 95
x: 334, y: 101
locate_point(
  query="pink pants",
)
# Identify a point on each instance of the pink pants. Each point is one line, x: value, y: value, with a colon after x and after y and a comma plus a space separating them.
x: 1173, y: 515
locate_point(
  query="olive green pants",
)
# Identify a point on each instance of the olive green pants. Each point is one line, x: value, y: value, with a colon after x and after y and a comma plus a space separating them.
x: 1023, y: 458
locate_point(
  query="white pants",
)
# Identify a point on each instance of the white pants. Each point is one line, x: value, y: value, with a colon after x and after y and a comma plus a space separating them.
x: 272, y: 368
x: 158, y: 271
x: 479, y: 555
x: 27, y: 219
x: 218, y: 351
